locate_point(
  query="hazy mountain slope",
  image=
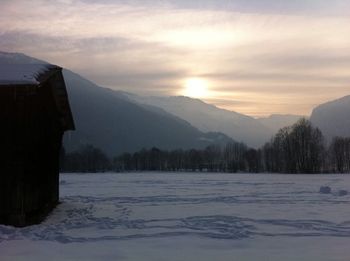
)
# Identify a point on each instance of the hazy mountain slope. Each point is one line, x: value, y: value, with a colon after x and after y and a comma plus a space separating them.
x: 116, y: 125
x: 207, y: 117
x: 333, y: 118
x: 277, y: 121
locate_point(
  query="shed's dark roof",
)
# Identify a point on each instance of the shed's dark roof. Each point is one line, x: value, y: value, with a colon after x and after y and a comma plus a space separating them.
x: 24, y: 74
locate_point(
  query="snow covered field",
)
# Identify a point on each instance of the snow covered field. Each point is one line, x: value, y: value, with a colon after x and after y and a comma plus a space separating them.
x: 182, y: 216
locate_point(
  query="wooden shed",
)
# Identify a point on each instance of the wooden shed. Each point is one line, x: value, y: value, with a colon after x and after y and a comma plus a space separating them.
x: 34, y: 115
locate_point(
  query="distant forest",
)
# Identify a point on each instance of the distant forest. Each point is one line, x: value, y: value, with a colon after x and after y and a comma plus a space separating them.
x: 299, y: 148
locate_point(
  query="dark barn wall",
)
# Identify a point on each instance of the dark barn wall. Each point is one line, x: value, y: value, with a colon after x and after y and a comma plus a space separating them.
x: 31, y: 136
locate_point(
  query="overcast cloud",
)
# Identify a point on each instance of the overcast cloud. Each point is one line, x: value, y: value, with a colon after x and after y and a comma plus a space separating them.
x: 259, y: 56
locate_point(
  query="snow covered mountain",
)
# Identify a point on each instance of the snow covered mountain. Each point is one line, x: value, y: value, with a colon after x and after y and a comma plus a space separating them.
x: 207, y: 117
x: 108, y: 121
x: 333, y: 117
x: 277, y: 121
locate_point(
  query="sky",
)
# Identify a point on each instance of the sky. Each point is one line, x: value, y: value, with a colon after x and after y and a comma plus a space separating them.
x: 257, y: 57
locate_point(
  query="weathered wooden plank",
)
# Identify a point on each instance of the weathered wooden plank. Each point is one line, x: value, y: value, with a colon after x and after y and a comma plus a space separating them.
x: 31, y: 137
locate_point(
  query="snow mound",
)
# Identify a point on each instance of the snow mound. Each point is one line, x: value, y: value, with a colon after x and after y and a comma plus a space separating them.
x: 342, y: 192
x: 325, y: 190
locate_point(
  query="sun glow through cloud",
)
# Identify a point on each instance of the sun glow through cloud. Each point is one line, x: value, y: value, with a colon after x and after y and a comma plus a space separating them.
x: 258, y: 58
x: 196, y: 88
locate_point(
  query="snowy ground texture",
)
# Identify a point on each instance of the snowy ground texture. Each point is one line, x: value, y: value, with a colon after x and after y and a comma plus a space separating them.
x: 182, y: 216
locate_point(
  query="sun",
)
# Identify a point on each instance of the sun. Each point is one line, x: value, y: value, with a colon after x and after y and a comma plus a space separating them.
x: 196, y: 88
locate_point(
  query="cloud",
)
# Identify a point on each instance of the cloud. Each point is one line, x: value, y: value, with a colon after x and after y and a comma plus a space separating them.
x: 249, y: 51
x: 317, y: 7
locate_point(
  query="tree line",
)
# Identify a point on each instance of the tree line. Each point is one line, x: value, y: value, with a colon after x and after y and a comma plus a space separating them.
x: 300, y: 148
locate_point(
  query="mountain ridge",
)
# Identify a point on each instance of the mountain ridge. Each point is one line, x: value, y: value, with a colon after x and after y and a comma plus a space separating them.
x: 208, y: 117
x: 115, y: 125
x: 277, y: 121
x: 332, y: 117
x: 199, y: 123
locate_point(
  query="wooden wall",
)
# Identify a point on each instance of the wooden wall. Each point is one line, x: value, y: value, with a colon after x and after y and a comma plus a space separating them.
x: 31, y: 136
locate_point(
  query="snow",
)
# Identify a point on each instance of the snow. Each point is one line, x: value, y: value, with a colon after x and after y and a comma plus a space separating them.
x: 189, y: 216
x: 11, y: 74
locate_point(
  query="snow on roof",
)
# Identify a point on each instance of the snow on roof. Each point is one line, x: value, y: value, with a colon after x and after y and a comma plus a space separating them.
x: 12, y: 74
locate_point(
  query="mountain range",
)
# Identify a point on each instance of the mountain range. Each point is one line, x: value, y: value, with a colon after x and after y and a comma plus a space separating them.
x: 118, y: 121
x: 116, y: 125
x: 110, y: 122
x: 207, y: 117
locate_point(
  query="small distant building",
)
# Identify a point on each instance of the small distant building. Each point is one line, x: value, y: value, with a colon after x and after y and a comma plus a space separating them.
x: 34, y: 114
